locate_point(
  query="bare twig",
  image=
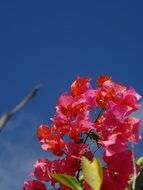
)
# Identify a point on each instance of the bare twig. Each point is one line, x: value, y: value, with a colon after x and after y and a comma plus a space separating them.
x: 5, y: 117
x: 134, y: 168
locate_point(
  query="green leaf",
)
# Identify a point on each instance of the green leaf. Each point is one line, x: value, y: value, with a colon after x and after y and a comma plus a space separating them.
x: 92, y: 172
x: 140, y: 162
x: 139, y: 181
x: 68, y: 181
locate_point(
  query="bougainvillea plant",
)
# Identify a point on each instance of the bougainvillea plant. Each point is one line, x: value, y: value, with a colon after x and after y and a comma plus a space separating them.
x: 86, y: 120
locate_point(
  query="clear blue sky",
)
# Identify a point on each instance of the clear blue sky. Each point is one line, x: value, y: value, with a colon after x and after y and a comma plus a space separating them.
x: 51, y: 42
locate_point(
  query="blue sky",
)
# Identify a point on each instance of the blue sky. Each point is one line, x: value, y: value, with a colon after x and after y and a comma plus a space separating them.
x: 51, y: 42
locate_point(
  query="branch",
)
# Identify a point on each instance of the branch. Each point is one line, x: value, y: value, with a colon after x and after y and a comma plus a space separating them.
x: 134, y: 167
x: 5, y: 117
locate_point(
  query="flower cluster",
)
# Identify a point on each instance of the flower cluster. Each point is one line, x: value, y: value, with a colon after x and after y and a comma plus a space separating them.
x: 78, y: 120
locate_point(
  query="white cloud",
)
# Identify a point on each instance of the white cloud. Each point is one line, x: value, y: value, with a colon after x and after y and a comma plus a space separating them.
x: 19, y: 149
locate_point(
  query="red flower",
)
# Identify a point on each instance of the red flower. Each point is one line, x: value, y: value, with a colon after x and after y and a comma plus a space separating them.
x: 119, y: 170
x: 101, y: 79
x: 64, y: 104
x: 80, y: 85
x: 50, y: 139
x: 113, y: 145
x: 86, y: 186
x: 34, y: 185
x: 43, y: 131
x: 110, y: 91
x: 43, y: 168
x: 76, y: 116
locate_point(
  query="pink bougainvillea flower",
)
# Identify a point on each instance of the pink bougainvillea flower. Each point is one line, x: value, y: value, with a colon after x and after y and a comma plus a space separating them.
x: 74, y: 153
x: 86, y: 186
x: 110, y: 91
x: 64, y: 104
x: 66, y: 163
x: 108, y: 183
x: 119, y: 170
x: 69, y: 106
x: 114, y: 121
x: 54, y: 144
x: 63, y: 187
x: 133, y: 126
x: 34, y: 185
x: 102, y: 78
x: 76, y: 121
x: 113, y: 145
x: 61, y: 123
x: 80, y: 85
x: 77, y: 115
x: 79, y: 105
x: 118, y: 93
x: 119, y: 111
x: 81, y: 124
x: 90, y: 96
x: 43, y: 168
x: 50, y: 140
x: 43, y: 131
x: 131, y: 99
x: 76, y: 150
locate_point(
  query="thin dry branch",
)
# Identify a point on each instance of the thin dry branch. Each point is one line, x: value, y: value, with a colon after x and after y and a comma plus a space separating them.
x: 5, y: 117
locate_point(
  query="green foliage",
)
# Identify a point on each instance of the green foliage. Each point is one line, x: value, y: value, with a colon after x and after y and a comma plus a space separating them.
x: 92, y: 172
x: 139, y: 181
x: 68, y: 181
x: 140, y: 162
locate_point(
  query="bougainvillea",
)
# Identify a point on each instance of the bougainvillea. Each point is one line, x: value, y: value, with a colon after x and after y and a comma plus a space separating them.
x: 87, y: 116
